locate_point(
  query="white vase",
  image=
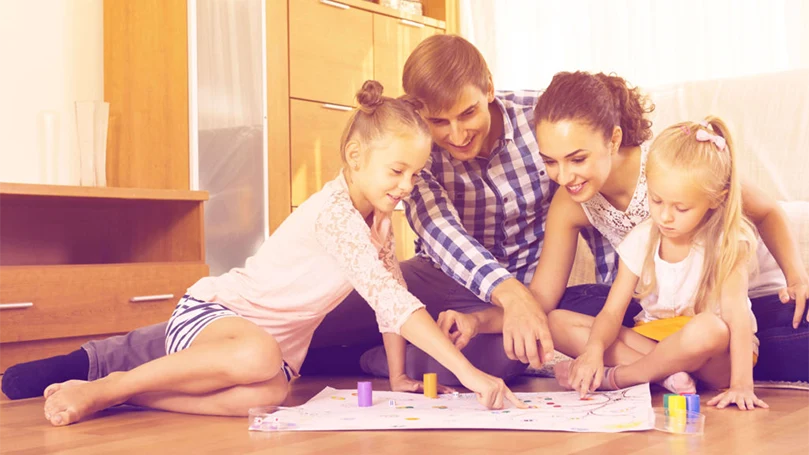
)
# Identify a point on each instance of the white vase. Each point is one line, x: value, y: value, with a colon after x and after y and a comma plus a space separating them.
x: 92, y: 121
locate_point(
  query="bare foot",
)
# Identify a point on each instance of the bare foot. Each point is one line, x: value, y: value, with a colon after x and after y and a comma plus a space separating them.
x: 681, y: 383
x: 72, y: 401
x: 54, y: 387
x: 562, y: 372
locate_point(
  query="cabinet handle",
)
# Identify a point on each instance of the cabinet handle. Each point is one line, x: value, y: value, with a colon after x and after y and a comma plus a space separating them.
x: 338, y: 107
x: 411, y: 23
x: 150, y: 298
x: 335, y: 4
x: 14, y: 306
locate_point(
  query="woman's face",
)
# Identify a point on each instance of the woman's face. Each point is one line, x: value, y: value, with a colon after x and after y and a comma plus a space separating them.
x: 576, y: 156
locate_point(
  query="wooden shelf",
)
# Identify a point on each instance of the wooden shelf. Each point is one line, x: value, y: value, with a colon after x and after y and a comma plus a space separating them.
x: 29, y: 189
x: 377, y: 8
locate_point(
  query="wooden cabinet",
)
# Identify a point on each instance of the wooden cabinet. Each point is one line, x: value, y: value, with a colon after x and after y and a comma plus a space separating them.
x: 333, y: 47
x: 331, y: 51
x: 81, y: 263
x: 316, y: 129
x: 394, y: 40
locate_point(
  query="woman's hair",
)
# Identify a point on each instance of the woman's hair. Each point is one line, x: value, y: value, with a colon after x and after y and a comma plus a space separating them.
x: 706, y: 152
x: 379, y: 115
x: 599, y: 100
x: 439, y: 68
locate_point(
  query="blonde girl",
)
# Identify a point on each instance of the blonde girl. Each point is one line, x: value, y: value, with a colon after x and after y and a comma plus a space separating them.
x: 690, y: 264
x: 235, y: 341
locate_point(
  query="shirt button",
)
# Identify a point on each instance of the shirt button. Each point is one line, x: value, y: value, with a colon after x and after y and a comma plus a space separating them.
x: 505, y: 199
x: 541, y: 172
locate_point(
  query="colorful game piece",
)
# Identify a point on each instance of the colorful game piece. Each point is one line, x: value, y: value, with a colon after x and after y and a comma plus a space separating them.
x: 692, y: 402
x: 677, y: 405
x: 364, y: 394
x: 430, y: 385
x: 456, y: 395
x: 666, y: 399
x: 392, y: 403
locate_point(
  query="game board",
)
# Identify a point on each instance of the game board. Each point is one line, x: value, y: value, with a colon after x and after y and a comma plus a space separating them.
x: 628, y: 409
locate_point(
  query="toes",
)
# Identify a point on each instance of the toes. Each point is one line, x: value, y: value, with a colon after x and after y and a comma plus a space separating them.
x: 51, y: 389
x: 60, y: 419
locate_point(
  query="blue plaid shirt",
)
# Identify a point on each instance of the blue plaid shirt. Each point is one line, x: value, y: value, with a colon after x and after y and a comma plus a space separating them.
x: 483, y: 221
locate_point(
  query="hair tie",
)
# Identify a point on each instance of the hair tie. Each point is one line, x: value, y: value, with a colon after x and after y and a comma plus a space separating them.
x: 704, y: 136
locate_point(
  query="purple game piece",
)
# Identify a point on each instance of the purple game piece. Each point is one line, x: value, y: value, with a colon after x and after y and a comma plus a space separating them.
x: 364, y: 394
x: 692, y: 402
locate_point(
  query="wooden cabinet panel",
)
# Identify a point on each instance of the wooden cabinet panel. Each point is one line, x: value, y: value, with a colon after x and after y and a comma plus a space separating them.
x: 76, y: 300
x: 404, y: 236
x: 146, y: 84
x: 315, y: 138
x: 394, y: 40
x: 331, y: 51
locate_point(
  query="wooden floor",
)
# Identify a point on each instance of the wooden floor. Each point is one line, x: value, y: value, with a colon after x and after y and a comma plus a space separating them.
x: 781, y: 430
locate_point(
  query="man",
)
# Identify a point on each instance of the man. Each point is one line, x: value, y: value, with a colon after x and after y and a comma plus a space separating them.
x: 479, y: 211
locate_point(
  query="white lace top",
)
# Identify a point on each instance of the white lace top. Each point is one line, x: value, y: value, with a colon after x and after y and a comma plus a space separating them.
x: 310, y: 264
x: 612, y: 223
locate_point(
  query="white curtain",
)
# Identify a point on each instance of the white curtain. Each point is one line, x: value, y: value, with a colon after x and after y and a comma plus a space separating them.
x: 231, y: 129
x: 649, y: 42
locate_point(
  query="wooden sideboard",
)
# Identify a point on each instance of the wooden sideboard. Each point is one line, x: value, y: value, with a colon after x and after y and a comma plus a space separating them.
x: 78, y: 263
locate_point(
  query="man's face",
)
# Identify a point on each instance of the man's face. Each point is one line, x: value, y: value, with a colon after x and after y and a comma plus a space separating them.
x: 462, y: 129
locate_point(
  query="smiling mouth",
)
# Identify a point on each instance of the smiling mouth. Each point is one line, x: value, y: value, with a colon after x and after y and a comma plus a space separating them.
x: 465, y: 145
x: 575, y: 188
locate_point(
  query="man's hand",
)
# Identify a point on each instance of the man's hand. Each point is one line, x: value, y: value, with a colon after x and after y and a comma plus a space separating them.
x: 526, y: 336
x: 460, y: 328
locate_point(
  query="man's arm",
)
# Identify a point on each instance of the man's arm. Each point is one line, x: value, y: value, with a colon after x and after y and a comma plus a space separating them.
x: 435, y: 220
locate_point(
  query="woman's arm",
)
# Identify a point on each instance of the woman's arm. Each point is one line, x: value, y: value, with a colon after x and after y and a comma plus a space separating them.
x: 565, y: 219
x: 773, y: 226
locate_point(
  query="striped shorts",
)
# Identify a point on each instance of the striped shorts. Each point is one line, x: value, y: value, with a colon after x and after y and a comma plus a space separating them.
x: 190, y: 317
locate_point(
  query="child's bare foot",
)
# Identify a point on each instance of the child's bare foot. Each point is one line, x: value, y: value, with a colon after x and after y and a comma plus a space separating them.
x: 681, y: 383
x: 51, y: 389
x: 562, y: 373
x: 72, y: 401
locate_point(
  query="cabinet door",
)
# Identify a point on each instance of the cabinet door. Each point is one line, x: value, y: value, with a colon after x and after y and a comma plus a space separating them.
x: 331, y: 50
x: 394, y: 40
x: 316, y: 129
x: 404, y: 236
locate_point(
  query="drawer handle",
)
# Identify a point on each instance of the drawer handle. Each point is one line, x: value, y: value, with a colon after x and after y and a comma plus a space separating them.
x: 411, y: 23
x: 14, y: 306
x: 151, y: 298
x: 335, y: 4
x: 338, y: 107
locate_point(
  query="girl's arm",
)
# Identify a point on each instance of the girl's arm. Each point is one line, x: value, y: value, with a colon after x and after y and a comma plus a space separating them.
x: 773, y: 226
x: 736, y: 314
x: 587, y: 370
x: 343, y: 234
x: 395, y: 348
x: 565, y: 219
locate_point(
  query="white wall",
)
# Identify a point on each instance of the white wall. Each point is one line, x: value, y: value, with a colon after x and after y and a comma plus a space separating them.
x: 51, y: 54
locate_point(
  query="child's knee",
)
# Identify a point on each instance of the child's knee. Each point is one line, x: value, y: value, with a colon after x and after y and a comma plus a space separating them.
x: 256, y: 360
x: 710, y: 333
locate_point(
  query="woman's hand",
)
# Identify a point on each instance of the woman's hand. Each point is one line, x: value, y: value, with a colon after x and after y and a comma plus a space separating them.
x: 797, y: 290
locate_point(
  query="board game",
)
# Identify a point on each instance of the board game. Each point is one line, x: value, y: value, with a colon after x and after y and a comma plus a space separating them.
x: 627, y: 409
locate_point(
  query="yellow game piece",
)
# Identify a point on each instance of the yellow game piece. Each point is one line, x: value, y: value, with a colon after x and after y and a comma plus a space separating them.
x: 430, y: 385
